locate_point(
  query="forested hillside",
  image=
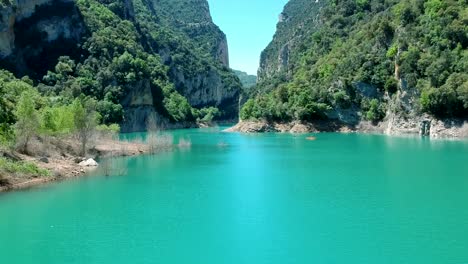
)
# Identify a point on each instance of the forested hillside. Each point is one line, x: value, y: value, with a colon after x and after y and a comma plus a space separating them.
x: 247, y: 80
x: 138, y: 61
x: 353, y: 60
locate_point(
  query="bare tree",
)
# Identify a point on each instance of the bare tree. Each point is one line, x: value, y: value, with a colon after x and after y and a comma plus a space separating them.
x: 155, y: 139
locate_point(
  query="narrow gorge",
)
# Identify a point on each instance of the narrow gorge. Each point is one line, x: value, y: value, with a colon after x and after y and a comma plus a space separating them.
x: 142, y: 60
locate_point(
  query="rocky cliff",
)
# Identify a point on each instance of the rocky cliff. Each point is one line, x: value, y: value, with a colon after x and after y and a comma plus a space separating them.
x: 296, y: 23
x: 399, y: 65
x: 202, y: 81
x: 34, y: 33
x: 196, y: 23
x: 98, y: 36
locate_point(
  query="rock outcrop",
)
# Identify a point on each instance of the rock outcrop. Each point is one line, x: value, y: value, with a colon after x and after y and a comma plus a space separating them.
x: 432, y: 128
x: 207, y: 88
x: 351, y: 62
x: 198, y: 24
x: 294, y: 127
x: 296, y: 23
x: 34, y: 33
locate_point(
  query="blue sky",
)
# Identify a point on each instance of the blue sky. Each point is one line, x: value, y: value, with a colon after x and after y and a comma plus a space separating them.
x: 249, y: 26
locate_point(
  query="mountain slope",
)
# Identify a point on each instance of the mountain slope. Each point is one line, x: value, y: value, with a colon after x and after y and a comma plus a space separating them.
x: 349, y: 61
x: 139, y: 55
x: 248, y: 81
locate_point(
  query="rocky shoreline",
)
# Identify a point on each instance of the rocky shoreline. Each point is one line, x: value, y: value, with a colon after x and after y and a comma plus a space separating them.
x: 67, y: 165
x: 424, y: 126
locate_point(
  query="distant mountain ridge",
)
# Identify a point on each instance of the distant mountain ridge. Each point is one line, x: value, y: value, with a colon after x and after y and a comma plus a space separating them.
x: 247, y: 80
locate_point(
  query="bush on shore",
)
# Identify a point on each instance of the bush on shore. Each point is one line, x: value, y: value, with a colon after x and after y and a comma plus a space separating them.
x: 20, y: 169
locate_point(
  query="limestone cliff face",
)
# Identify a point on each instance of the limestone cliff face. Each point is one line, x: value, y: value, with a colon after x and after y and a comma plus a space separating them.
x: 193, y: 18
x: 223, y: 52
x: 141, y: 110
x: 10, y: 13
x: 207, y: 86
x: 34, y: 33
x: 205, y: 89
x: 297, y: 21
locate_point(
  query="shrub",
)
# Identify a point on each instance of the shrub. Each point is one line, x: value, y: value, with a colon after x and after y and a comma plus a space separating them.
x: 391, y: 85
x: 21, y: 169
x: 374, y: 110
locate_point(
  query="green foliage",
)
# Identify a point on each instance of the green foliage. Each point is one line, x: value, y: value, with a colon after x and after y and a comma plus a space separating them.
x: 291, y: 102
x: 21, y: 169
x: 57, y: 120
x: 113, y: 128
x: 27, y: 124
x: 338, y: 44
x: 391, y: 85
x: 178, y: 107
x: 392, y: 51
x: 448, y: 100
x: 119, y: 57
x: 207, y: 115
x: 248, y: 81
x: 7, y: 117
x: 374, y: 111
x: 85, y: 119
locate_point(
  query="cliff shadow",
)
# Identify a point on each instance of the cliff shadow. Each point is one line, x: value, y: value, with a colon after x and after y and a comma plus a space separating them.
x: 53, y: 30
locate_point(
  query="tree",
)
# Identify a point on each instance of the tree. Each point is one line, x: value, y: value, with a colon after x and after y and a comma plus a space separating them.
x: 6, y: 118
x: 391, y: 85
x: 247, y: 111
x: 48, y: 124
x: 27, y: 123
x: 85, y: 119
x: 375, y: 111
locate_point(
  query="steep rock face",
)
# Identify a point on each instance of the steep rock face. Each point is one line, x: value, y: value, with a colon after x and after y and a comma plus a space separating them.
x: 210, y: 83
x: 297, y: 22
x: 398, y: 65
x: 34, y: 33
x: 141, y: 113
x: 205, y: 89
x: 193, y: 18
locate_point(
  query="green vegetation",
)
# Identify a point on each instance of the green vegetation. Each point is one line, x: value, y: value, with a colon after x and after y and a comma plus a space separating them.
x: 207, y: 115
x: 27, y: 114
x: 248, y: 81
x: 27, y: 119
x: 20, y: 169
x: 341, y: 46
x: 117, y: 57
x: 119, y: 54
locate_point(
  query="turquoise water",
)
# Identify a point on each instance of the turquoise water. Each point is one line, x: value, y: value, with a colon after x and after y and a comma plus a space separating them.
x: 271, y: 198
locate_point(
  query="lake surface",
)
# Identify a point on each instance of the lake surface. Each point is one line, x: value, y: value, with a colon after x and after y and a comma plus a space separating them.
x: 263, y: 199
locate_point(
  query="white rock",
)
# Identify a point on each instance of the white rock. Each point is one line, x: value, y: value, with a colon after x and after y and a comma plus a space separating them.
x: 88, y: 163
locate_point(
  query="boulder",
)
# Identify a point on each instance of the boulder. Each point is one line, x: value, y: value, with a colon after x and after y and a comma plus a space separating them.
x: 89, y: 163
